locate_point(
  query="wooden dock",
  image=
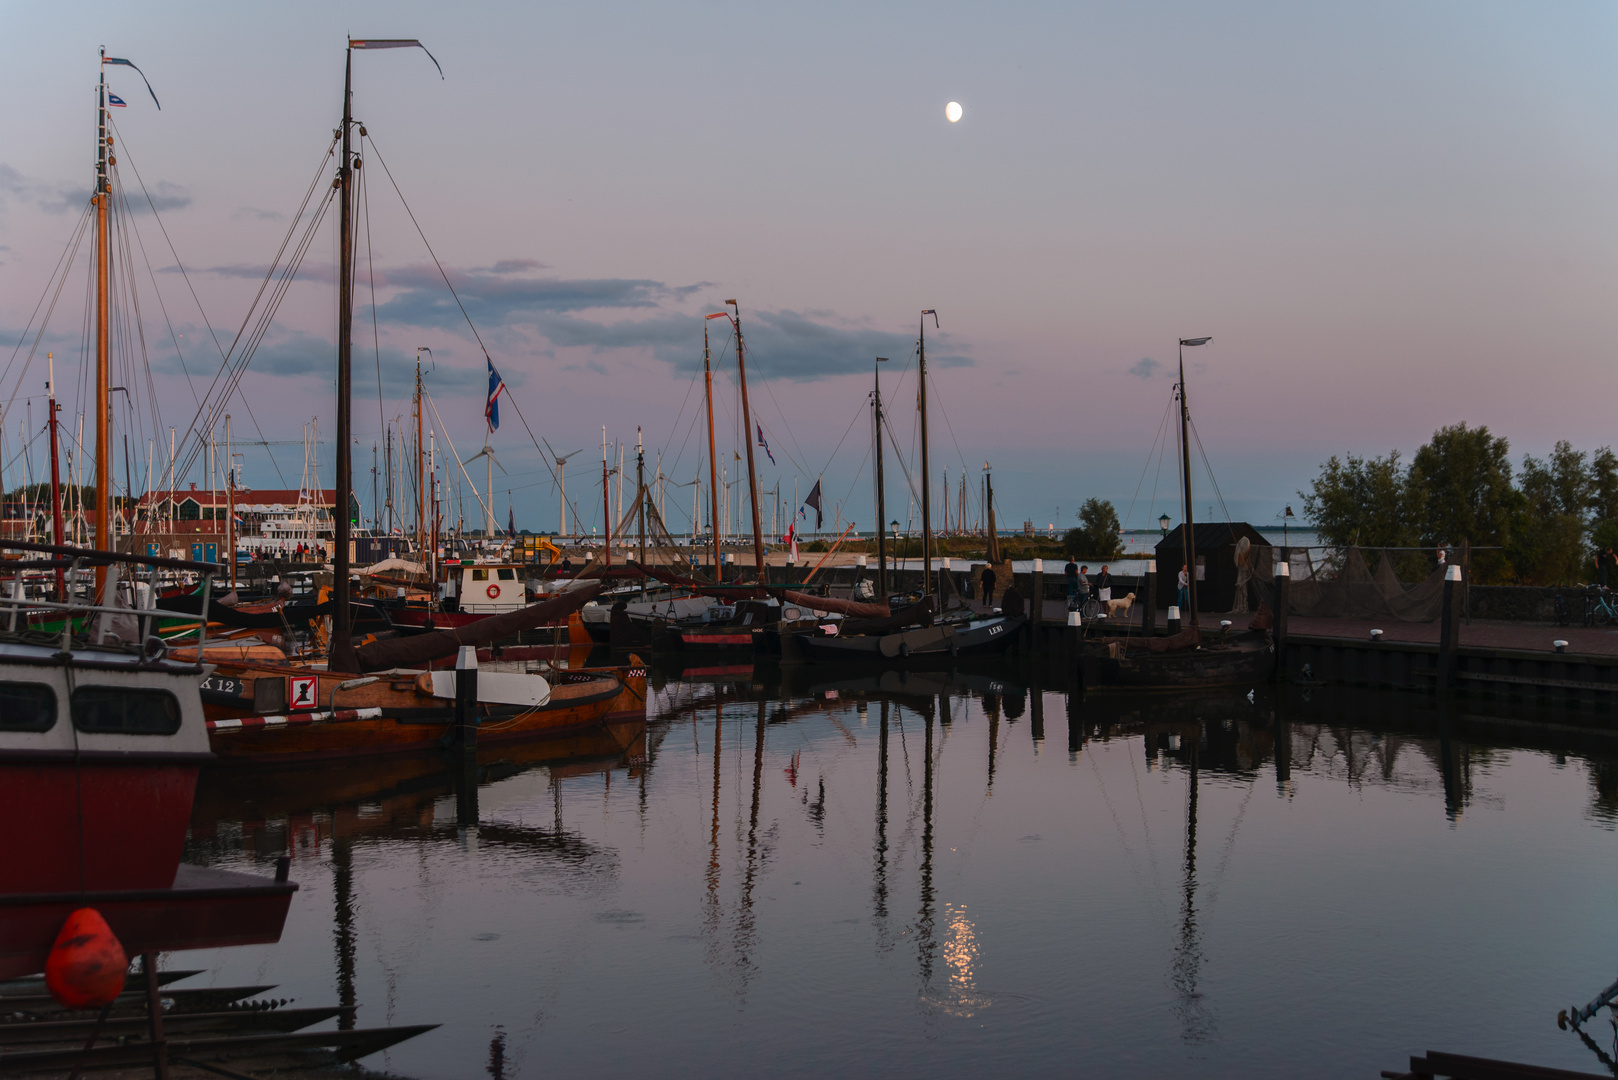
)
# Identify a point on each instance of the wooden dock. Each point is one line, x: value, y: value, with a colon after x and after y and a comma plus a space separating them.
x: 1512, y: 661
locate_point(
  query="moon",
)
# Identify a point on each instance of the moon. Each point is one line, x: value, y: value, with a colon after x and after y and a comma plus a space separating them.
x: 952, y: 111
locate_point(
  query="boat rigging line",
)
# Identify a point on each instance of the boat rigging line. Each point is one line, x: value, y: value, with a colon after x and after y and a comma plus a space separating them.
x: 1158, y: 445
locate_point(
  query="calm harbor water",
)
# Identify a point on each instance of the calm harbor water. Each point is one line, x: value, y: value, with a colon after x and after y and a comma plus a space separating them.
x: 949, y: 875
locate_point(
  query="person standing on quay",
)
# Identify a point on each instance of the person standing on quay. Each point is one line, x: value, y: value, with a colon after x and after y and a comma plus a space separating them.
x: 1071, y: 571
x: 1184, y: 599
x: 1103, y: 585
x: 988, y: 585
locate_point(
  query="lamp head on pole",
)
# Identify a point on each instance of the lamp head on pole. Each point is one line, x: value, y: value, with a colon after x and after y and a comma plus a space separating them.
x: 1163, y: 523
x: 1288, y: 512
x: 933, y: 313
x: 1190, y: 341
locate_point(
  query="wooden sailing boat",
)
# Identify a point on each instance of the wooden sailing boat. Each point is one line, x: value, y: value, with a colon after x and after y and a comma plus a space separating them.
x: 264, y: 710
x: 949, y: 638
x: 1187, y: 660
x: 741, y: 628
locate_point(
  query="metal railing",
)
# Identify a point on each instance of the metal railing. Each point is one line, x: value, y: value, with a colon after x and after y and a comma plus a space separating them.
x: 72, y: 560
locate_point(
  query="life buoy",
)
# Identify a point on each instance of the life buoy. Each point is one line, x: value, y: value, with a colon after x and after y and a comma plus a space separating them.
x: 493, y: 591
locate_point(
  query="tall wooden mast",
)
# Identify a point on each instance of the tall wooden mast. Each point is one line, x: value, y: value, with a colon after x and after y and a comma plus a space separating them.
x: 881, y: 503
x: 713, y: 453
x: 606, y: 499
x: 1188, y: 540
x: 640, y: 503
x: 103, y: 433
x: 421, y: 470
x: 926, y: 481
x: 747, y: 436
x: 230, y: 499
x: 57, y: 536
x: 341, y: 656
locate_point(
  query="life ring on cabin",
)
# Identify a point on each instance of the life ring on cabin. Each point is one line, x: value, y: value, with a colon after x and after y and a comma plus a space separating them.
x: 493, y: 592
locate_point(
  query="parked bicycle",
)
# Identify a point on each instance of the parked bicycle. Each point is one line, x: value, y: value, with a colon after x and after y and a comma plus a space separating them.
x: 1088, y: 607
x: 1600, y: 606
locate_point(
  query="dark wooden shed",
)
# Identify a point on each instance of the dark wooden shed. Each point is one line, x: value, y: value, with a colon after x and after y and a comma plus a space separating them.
x: 1216, y: 563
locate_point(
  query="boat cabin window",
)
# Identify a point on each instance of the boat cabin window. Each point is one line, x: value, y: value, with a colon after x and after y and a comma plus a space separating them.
x: 480, y: 573
x: 108, y: 710
x: 508, y: 574
x: 27, y: 706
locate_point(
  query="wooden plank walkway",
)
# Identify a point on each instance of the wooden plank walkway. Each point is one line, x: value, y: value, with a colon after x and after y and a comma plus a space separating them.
x: 1478, y: 634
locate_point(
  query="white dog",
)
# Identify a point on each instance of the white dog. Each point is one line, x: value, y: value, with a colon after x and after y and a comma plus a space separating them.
x: 1120, y: 607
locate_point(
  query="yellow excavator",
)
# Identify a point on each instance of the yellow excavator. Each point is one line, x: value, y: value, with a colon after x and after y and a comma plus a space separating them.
x: 531, y: 546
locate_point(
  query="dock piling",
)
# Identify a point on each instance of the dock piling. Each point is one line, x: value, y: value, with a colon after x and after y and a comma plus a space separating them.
x: 1148, y: 590
x: 154, y: 1017
x: 1036, y: 609
x: 1449, y: 628
x: 1283, y: 589
x: 466, y: 698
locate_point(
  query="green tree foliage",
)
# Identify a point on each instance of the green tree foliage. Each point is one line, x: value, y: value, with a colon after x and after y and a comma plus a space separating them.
x: 1097, y: 534
x: 1603, y: 536
x: 41, y: 495
x: 1604, y: 484
x: 1563, y: 484
x: 1364, y: 501
x: 1547, y: 540
x: 1459, y: 488
x: 1462, y: 480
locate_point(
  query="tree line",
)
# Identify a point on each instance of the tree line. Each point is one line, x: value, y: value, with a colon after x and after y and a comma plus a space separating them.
x: 1097, y: 535
x: 1541, y: 526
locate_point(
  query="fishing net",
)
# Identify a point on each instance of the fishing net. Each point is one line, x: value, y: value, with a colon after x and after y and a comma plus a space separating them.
x: 1358, y: 592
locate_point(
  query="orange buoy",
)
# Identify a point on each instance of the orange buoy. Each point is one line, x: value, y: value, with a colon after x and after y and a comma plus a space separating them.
x: 86, y: 966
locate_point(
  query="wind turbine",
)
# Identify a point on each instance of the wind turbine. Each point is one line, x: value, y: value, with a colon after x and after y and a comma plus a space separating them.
x: 488, y: 490
x: 561, y: 478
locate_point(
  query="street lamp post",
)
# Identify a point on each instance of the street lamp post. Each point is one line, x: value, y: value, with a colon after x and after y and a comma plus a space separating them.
x: 1163, y: 523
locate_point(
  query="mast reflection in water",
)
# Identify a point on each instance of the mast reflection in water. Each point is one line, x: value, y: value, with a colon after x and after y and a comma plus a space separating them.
x: 814, y: 874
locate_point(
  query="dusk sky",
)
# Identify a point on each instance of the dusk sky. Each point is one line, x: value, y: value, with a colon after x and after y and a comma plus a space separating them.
x: 1389, y: 216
